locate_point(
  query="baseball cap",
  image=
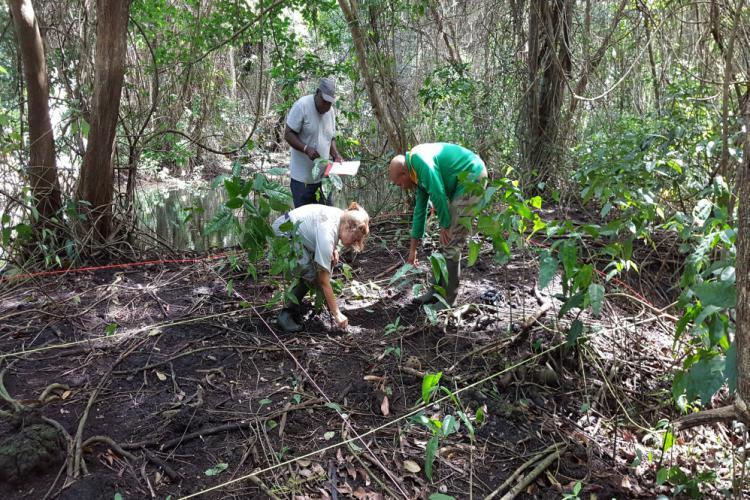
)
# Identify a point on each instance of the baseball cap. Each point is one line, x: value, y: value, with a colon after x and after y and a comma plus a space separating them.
x: 327, y: 89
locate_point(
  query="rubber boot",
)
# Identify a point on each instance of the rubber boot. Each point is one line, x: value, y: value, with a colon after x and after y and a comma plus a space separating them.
x: 451, y: 288
x: 289, y: 318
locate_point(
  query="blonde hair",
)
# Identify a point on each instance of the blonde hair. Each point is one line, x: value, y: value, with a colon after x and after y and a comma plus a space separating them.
x: 358, y: 221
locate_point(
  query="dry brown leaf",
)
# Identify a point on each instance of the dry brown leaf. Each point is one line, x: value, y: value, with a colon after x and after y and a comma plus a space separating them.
x: 161, y: 376
x: 365, y: 475
x: 351, y: 471
x: 385, y: 407
x: 344, y: 489
x: 304, y: 462
x: 412, y: 466
x: 66, y: 394
x: 373, y: 378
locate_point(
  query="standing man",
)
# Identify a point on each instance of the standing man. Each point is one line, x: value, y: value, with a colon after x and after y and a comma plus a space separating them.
x: 310, y: 130
x: 435, y: 171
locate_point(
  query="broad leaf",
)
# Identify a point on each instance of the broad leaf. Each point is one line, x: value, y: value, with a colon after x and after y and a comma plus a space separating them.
x: 429, y: 456
x: 576, y: 329
x: 547, y: 269
x: 474, y: 247
x: 716, y: 293
x: 596, y: 296
x: 429, y: 384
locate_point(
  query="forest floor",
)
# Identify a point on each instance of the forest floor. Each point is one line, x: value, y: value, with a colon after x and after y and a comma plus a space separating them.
x: 171, y: 382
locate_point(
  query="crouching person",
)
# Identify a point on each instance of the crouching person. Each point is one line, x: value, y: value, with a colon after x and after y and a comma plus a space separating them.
x: 320, y: 228
x: 435, y: 170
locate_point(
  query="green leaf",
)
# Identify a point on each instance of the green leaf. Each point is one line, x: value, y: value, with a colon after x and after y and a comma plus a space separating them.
x: 576, y: 328
x: 465, y: 419
x: 704, y: 378
x: 440, y: 496
x: 329, y: 435
x: 662, y: 475
x: 717, y: 293
x: 429, y: 384
x: 569, y: 257
x: 450, y: 425
x: 439, y: 267
x: 334, y: 406
x: 264, y: 401
x: 402, y: 271
x: 430, y: 312
x: 474, y: 247
x: 110, y: 329
x: 596, y: 296
x: 118, y: 496
x: 668, y: 441
x: 479, y: 416
x: 217, y: 469
x: 230, y: 288
x: 574, y: 301
x: 547, y: 269
x: 429, y: 456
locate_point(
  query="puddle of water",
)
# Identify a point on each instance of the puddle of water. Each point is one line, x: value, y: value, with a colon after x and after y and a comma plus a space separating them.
x: 179, y: 215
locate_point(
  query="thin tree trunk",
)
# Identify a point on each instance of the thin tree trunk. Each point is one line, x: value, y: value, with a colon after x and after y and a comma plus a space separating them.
x: 95, y: 183
x: 349, y: 8
x: 742, y: 334
x: 42, y: 169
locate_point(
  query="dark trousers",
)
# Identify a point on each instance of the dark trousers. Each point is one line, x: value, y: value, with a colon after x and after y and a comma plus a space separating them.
x: 305, y: 194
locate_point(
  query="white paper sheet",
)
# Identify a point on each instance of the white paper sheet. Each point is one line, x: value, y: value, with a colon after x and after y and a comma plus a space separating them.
x: 343, y: 168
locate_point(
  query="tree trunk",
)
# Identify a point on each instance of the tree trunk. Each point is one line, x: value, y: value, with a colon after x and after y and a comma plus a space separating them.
x: 549, y: 65
x: 95, y: 183
x: 42, y: 169
x: 349, y: 8
x: 742, y: 335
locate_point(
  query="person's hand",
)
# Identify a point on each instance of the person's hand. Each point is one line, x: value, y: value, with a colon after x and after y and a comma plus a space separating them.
x: 338, y: 159
x: 311, y: 152
x: 341, y: 320
x: 412, y: 259
x: 445, y: 236
x: 335, y: 258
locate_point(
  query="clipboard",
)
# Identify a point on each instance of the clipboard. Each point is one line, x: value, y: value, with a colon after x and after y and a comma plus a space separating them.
x: 342, y: 168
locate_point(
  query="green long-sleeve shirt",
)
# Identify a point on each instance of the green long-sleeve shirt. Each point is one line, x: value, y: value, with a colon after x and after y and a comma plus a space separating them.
x: 435, y: 169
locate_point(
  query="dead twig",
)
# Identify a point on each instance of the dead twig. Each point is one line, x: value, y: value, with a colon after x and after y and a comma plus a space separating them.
x: 554, y: 454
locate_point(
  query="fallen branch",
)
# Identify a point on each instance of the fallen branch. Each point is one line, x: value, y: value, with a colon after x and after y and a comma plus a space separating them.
x: 528, y: 478
x: 706, y: 417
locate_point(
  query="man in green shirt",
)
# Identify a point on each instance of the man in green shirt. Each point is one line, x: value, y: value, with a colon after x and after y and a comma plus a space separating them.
x: 436, y: 171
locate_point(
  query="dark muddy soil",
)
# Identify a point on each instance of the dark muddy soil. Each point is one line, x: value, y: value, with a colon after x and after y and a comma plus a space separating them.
x: 189, y: 385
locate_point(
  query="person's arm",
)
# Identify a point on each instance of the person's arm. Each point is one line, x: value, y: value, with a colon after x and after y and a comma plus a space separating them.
x: 420, y: 214
x: 294, y: 141
x: 324, y: 281
x: 412, y: 258
x: 433, y: 184
x: 334, y: 153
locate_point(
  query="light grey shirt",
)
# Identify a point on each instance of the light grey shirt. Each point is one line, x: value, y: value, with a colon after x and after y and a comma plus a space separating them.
x: 319, y: 231
x: 315, y: 130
